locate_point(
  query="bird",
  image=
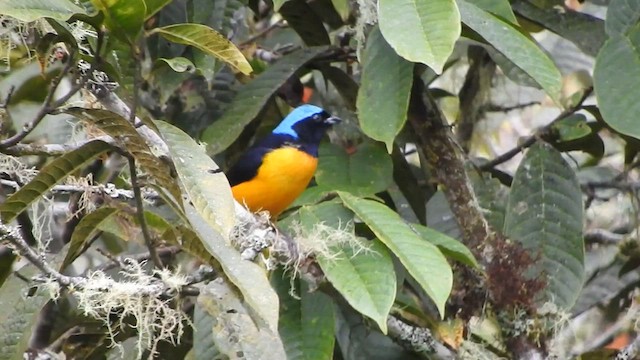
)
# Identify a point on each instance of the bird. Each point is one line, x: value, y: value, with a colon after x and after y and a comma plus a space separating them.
x: 274, y: 171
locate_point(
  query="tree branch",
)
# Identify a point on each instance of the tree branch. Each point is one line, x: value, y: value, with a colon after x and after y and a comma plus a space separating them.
x: 418, y: 340
x: 50, y: 149
x: 442, y: 154
x: 13, y: 236
x: 543, y: 133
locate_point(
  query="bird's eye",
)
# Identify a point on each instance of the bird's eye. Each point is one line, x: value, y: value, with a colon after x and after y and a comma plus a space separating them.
x: 316, y: 117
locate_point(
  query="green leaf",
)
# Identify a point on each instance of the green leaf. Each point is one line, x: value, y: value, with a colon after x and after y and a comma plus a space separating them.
x: 233, y: 330
x: 385, y: 75
x: 342, y: 8
x: 247, y: 276
x: 615, y: 77
x: 306, y: 22
x: 191, y: 243
x: 423, y: 260
x: 366, y: 171
x: 204, y: 346
x: 585, y: 31
x: 544, y: 213
x: 51, y: 174
x: 179, y: 64
x: 123, y: 17
x: 515, y: 45
x: 572, y: 127
x: 207, y: 40
x: 252, y: 98
x: 277, y: 4
x: 30, y: 10
x: 204, y: 182
x: 21, y: 311
x: 346, y: 86
x: 622, y: 16
x: 307, y: 323
x: 366, y: 280
x: 421, y: 31
x: 83, y: 232
x: 153, y: 6
x: 501, y: 8
x: 123, y: 131
x: 449, y: 246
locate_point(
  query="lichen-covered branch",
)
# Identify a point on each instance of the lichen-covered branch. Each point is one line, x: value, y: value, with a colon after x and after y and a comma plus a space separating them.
x: 444, y: 158
x: 417, y: 339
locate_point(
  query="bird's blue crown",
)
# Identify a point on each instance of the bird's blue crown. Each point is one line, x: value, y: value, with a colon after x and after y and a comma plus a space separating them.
x: 298, y: 114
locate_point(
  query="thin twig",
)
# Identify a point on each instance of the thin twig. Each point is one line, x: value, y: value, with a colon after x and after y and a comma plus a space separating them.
x: 500, y: 108
x: 602, y: 236
x: 542, y: 133
x: 140, y: 213
x: 48, y: 105
x: 630, y: 186
x: 275, y: 25
x: 118, y: 261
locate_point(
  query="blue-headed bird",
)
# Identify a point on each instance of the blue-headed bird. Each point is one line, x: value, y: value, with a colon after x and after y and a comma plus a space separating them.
x: 277, y: 169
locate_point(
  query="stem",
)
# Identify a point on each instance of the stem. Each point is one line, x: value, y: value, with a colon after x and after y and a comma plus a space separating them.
x: 140, y: 213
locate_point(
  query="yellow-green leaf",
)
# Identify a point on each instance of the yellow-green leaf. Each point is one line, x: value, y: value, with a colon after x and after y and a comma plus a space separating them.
x: 207, y: 40
x: 204, y: 182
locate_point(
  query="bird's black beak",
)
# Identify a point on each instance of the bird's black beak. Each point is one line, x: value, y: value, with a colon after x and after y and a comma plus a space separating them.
x: 332, y: 120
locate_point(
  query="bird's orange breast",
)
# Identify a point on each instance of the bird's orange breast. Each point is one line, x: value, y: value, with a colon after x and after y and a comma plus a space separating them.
x: 283, y: 175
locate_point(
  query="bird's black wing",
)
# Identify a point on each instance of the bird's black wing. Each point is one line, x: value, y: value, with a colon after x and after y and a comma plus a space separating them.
x: 247, y: 166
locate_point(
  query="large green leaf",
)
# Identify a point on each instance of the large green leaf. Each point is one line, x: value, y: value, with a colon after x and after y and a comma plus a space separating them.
x: 421, y: 31
x: 123, y: 17
x: 247, y: 276
x: 366, y: 171
x: 616, y: 77
x: 127, y: 136
x: 30, y: 10
x: 622, y: 16
x: 385, y: 75
x: 233, y: 331
x: 423, y: 260
x: 207, y: 40
x: 20, y: 311
x: 584, y: 30
x: 252, y: 98
x: 515, y: 45
x: 204, y: 182
x: 365, y: 278
x: 306, y: 323
x: 51, y: 174
x: 83, y: 231
x: 306, y: 22
x: 544, y: 214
